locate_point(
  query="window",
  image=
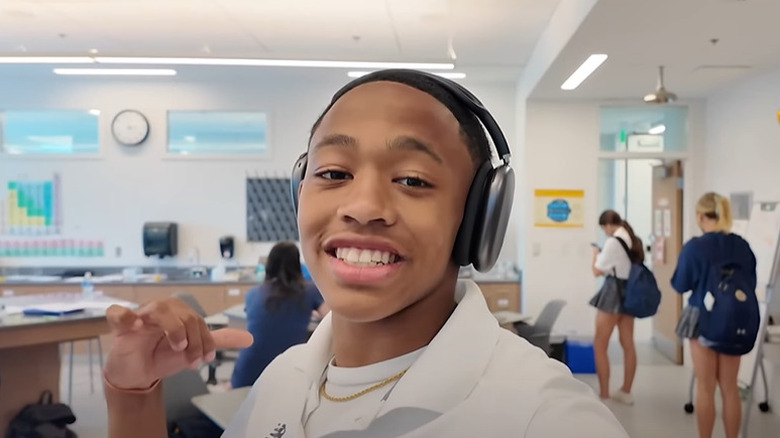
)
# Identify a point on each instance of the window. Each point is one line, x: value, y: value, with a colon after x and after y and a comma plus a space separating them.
x: 644, y: 130
x: 49, y: 132
x: 217, y: 132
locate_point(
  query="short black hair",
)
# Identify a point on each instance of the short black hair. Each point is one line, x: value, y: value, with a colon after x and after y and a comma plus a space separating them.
x: 471, y: 130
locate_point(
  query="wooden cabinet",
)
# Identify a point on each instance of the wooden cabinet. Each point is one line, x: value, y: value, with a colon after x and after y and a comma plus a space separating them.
x: 501, y: 295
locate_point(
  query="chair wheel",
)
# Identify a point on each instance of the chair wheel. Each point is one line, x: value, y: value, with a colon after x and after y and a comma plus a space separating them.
x: 763, y: 407
x: 689, y: 408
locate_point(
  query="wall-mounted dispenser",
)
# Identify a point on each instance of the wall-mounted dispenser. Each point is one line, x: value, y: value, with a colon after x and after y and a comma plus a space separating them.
x: 160, y: 239
x: 227, y: 246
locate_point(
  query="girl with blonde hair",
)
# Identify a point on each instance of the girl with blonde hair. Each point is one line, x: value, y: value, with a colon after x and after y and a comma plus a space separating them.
x: 698, y: 259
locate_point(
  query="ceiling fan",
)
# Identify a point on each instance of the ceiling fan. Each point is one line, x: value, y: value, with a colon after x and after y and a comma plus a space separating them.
x: 660, y: 95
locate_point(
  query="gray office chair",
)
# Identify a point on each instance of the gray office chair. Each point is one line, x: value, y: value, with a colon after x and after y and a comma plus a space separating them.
x: 539, y: 333
x: 178, y: 391
x: 191, y: 301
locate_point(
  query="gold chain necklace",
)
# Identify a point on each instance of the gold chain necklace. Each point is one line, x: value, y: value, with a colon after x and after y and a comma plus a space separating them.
x: 362, y: 391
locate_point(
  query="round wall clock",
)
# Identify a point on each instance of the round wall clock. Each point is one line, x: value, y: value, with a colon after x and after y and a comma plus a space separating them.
x: 130, y: 127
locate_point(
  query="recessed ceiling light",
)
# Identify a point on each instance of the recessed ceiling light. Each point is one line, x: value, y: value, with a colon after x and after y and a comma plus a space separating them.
x: 583, y: 71
x: 94, y: 51
x: 115, y: 71
x: 448, y: 75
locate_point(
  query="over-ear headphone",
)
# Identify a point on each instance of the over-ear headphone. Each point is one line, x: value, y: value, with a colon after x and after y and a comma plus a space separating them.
x: 489, y: 202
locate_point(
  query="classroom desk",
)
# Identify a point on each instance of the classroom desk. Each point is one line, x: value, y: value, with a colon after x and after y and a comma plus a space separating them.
x: 29, y: 349
x: 221, y: 406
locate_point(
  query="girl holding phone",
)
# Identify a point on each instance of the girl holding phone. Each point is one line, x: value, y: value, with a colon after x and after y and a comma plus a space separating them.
x: 614, y: 262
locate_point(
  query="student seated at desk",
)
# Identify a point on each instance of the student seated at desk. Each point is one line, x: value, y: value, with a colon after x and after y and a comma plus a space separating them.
x: 278, y: 312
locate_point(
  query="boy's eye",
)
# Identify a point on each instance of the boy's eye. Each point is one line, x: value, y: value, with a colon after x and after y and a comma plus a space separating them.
x: 333, y: 174
x: 413, y: 182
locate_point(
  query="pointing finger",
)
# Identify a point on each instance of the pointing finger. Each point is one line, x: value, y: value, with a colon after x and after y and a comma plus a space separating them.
x: 229, y: 338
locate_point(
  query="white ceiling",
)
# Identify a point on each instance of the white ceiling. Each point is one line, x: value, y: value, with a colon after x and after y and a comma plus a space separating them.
x: 491, y: 38
x: 639, y: 35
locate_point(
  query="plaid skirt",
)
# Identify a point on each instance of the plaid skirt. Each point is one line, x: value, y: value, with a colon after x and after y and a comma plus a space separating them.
x: 610, y: 297
x: 688, y: 325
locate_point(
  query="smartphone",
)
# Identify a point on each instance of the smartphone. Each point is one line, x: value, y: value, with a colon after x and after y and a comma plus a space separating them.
x: 595, y: 245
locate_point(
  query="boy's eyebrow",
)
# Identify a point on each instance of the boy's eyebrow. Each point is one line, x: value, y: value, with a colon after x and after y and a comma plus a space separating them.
x: 337, y: 140
x: 412, y: 144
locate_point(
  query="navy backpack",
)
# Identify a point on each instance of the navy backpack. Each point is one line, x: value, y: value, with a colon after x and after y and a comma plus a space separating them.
x: 730, y: 326
x: 642, y: 296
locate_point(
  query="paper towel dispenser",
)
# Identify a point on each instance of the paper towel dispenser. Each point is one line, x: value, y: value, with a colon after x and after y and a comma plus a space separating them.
x: 227, y: 246
x: 160, y: 239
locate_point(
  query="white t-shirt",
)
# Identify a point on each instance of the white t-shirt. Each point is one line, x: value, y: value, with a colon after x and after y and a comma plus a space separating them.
x: 358, y: 413
x: 614, y: 256
x: 474, y: 379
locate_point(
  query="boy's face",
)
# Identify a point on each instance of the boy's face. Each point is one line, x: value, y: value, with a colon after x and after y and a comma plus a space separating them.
x: 382, y: 200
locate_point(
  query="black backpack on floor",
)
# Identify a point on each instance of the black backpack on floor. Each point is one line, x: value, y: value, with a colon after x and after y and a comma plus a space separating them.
x: 44, y: 419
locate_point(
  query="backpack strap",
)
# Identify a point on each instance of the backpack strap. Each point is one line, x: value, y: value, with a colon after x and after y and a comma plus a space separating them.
x: 625, y: 248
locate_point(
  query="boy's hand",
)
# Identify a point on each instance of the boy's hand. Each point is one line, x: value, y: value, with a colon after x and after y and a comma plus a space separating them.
x: 159, y: 340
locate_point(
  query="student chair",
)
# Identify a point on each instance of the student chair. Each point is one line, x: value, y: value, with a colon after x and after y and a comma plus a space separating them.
x: 539, y: 333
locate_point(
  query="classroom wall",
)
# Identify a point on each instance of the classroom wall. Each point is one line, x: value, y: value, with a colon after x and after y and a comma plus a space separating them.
x: 562, y: 142
x: 743, y: 139
x: 111, y: 196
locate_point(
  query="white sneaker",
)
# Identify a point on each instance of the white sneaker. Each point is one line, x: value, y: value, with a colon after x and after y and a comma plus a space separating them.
x: 623, y: 397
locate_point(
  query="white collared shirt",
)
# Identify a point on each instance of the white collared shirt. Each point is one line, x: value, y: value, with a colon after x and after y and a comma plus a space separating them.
x: 613, y: 256
x: 473, y: 379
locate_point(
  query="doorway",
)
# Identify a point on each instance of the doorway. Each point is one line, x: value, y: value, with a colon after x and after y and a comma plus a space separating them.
x: 626, y: 186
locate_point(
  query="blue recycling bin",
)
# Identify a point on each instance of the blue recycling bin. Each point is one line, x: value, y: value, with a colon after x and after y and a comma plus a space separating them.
x: 579, y: 357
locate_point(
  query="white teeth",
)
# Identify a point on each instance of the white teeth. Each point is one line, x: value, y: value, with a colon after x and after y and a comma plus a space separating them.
x: 365, y: 257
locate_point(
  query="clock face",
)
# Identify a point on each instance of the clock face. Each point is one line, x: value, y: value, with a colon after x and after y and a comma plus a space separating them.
x: 130, y: 127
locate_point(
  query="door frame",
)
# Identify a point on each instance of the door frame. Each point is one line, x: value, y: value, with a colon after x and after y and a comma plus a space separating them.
x: 688, y: 171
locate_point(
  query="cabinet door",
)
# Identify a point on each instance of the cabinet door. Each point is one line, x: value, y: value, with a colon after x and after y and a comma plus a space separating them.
x: 235, y: 294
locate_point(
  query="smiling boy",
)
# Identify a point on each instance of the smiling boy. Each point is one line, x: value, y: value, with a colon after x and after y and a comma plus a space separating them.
x: 407, y: 349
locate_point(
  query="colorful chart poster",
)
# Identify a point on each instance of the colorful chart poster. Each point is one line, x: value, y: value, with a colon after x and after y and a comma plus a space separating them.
x: 559, y: 208
x: 31, y: 207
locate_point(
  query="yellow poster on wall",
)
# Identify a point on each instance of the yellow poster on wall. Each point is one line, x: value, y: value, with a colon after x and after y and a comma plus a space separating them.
x: 559, y: 208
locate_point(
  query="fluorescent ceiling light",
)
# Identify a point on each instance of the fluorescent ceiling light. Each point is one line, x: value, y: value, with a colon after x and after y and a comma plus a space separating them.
x: 448, y: 75
x: 235, y: 62
x: 46, y: 60
x: 242, y: 62
x: 589, y: 66
x: 657, y: 129
x: 115, y: 71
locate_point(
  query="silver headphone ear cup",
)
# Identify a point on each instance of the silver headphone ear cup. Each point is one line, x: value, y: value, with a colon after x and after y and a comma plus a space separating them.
x: 464, y: 242
x: 491, y: 228
x: 298, y: 171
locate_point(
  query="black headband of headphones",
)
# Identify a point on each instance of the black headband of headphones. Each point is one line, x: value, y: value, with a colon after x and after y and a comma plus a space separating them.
x: 424, y: 82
